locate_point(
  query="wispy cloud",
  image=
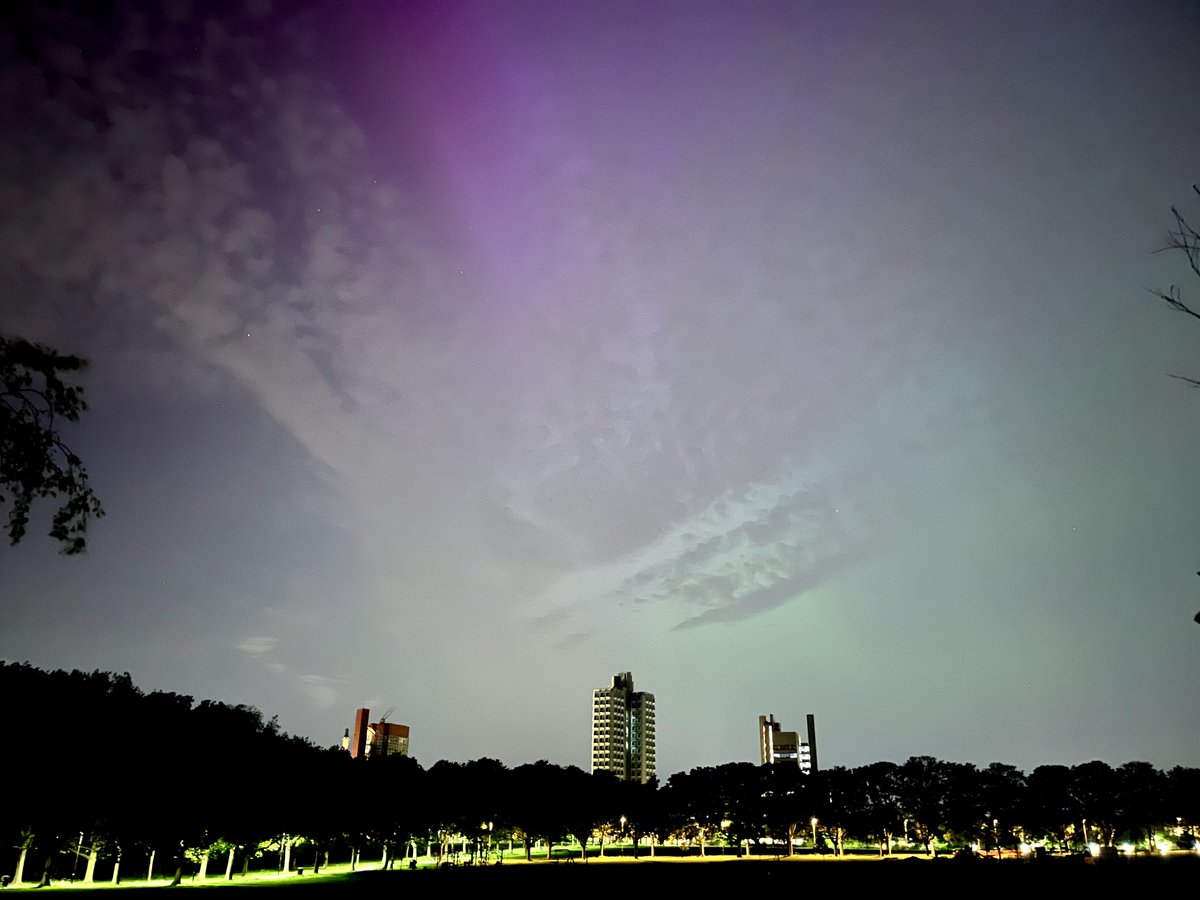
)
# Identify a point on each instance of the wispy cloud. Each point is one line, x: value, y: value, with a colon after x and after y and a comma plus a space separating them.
x: 321, y: 690
x: 259, y: 645
x: 572, y: 640
x: 537, y: 413
x: 740, y: 557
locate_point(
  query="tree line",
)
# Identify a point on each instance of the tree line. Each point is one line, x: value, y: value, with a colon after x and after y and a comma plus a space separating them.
x: 106, y: 781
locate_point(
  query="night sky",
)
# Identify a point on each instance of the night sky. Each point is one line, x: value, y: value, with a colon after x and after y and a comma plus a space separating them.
x: 453, y: 357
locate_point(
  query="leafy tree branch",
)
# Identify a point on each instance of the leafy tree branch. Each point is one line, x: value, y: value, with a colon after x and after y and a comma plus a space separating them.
x: 36, y: 393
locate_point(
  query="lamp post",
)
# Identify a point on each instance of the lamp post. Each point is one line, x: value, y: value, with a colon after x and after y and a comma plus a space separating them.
x: 486, y: 828
x: 813, y: 823
x: 78, y: 853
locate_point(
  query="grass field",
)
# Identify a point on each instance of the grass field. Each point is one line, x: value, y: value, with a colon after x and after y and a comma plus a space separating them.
x: 711, y: 874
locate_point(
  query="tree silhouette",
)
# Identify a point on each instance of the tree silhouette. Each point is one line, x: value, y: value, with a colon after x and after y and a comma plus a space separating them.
x: 1185, y: 239
x: 1052, y: 808
x: 879, y: 812
x: 181, y: 782
x: 34, y: 461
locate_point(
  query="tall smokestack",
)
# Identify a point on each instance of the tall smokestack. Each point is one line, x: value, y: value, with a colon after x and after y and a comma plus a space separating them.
x: 812, y: 742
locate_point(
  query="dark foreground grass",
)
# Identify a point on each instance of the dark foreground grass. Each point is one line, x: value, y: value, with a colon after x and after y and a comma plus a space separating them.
x: 705, y: 878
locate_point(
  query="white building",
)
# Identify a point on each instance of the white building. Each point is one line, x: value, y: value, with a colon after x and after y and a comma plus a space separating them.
x: 623, y: 730
x: 776, y: 745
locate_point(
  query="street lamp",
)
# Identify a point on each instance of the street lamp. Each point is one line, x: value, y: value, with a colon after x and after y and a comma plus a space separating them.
x: 813, y: 823
x: 78, y: 853
x: 486, y: 828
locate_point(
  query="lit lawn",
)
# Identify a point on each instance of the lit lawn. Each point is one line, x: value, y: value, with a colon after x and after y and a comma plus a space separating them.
x: 706, y: 875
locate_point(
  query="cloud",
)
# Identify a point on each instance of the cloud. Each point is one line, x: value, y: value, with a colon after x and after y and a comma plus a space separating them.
x: 246, y: 238
x: 606, y: 380
x: 761, y: 599
x: 572, y: 640
x: 741, y: 556
x: 260, y: 645
x: 770, y: 546
x: 320, y: 690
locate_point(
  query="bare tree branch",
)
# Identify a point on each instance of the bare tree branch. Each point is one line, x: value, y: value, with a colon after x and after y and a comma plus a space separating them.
x: 1183, y: 237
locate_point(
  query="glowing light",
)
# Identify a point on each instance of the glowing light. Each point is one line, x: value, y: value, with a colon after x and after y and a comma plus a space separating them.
x: 1025, y: 849
x: 1127, y: 849
x: 1094, y: 849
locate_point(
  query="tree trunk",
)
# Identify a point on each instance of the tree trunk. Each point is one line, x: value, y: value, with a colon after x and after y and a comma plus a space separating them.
x: 701, y: 843
x: 45, y: 882
x: 20, y: 876
x: 177, y: 858
x: 549, y: 848
x: 528, y: 849
x: 353, y: 858
x: 116, y: 879
x: 652, y: 846
x: 89, y: 875
x: 150, y: 871
x: 287, y: 855
x: 229, y: 866
x: 203, y: 867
